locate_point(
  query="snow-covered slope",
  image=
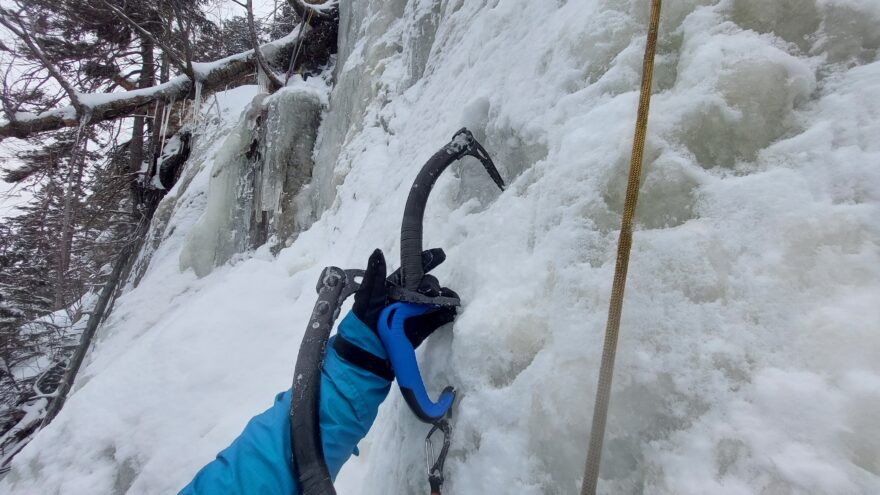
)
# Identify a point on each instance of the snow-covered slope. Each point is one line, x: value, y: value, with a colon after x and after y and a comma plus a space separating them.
x: 748, y: 356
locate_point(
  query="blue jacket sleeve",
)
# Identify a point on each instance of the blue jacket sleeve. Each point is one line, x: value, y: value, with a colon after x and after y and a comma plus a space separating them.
x: 258, y: 461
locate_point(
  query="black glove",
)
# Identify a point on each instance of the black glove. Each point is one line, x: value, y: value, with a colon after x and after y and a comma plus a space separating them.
x: 372, y: 296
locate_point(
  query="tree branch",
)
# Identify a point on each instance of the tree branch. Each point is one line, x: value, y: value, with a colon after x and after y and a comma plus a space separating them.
x: 255, y: 42
x: 122, y: 82
x: 35, y: 48
x: 324, y: 10
x: 165, y: 48
x: 106, y: 106
x: 185, y: 30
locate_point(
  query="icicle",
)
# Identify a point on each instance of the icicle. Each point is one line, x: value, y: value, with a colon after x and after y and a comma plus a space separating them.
x: 263, y: 80
x: 197, y: 102
x: 155, y: 110
x: 166, y: 116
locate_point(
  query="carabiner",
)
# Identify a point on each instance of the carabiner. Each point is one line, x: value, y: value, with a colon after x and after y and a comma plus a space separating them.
x: 435, y: 465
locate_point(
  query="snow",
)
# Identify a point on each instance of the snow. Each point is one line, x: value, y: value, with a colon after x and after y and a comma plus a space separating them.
x: 25, y: 116
x: 96, y: 99
x: 64, y: 113
x: 202, y: 69
x: 747, y: 359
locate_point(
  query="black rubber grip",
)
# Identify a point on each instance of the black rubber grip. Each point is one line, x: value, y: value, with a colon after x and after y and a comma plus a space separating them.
x: 305, y: 429
x: 462, y: 143
x: 414, y: 212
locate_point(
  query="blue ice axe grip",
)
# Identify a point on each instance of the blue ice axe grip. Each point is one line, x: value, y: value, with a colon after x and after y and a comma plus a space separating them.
x: 406, y: 368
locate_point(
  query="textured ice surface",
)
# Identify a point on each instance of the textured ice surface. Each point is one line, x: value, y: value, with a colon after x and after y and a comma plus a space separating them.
x: 225, y: 227
x: 748, y: 353
x: 259, y: 170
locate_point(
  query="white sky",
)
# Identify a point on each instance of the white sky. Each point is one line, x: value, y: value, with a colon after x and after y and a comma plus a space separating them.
x: 11, y: 196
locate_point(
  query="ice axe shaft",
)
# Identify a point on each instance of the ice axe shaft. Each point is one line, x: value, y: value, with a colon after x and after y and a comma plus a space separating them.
x: 334, y: 286
x: 408, y: 288
x: 462, y: 144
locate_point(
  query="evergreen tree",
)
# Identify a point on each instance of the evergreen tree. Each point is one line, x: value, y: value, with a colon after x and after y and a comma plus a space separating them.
x: 90, y: 196
x: 92, y: 188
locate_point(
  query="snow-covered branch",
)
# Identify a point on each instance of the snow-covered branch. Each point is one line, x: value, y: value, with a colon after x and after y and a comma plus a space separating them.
x: 306, y: 10
x: 106, y: 106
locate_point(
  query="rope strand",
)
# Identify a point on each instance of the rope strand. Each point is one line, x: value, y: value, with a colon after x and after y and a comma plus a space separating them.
x: 624, y: 244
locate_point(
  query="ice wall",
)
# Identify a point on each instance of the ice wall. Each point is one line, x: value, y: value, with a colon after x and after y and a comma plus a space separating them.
x: 747, y: 360
x: 261, y: 168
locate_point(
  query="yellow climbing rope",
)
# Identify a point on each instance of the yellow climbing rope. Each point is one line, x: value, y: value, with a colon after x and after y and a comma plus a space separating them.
x: 624, y: 243
x: 293, y: 60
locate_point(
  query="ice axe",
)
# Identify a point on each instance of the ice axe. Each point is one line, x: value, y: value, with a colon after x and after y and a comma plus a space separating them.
x: 406, y: 287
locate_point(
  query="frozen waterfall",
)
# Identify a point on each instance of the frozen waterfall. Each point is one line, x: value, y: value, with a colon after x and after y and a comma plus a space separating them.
x: 748, y: 360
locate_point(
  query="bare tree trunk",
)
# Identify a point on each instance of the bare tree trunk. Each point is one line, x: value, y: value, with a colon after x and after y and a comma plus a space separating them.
x: 85, y: 341
x: 71, y: 191
x: 138, y: 130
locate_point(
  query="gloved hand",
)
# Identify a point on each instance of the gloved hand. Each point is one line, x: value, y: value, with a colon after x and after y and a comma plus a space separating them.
x: 372, y: 296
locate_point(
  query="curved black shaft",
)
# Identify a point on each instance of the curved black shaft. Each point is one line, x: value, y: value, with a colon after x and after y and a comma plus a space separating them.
x: 463, y: 143
x: 334, y: 285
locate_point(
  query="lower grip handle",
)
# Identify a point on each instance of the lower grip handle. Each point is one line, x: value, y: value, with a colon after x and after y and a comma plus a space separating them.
x: 403, y: 360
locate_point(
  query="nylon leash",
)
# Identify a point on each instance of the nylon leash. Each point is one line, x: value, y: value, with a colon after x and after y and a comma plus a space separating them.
x: 624, y: 245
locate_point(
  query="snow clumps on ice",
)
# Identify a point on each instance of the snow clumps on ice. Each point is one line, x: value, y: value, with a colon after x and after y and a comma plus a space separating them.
x: 748, y: 353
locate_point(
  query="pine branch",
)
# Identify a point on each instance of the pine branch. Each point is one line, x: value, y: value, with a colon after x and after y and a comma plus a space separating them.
x: 172, y: 55
x: 36, y: 50
x: 108, y: 106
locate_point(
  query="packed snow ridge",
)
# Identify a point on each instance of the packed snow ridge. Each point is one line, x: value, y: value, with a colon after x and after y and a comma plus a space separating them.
x: 748, y: 354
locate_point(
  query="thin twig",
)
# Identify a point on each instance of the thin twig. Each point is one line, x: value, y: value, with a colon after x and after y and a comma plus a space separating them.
x: 175, y: 59
x: 185, y: 30
x: 258, y: 53
x: 34, y: 46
